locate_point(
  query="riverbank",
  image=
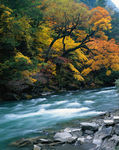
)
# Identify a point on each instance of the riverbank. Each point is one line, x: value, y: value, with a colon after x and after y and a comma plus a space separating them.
x: 97, y: 133
x: 34, y: 93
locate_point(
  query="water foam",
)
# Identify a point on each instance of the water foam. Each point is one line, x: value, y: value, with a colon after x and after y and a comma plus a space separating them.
x: 106, y: 91
x: 60, y: 102
x: 54, y: 96
x: 35, y: 101
x: 74, y: 104
x: 53, y: 112
x: 89, y: 102
x: 17, y: 116
x: 69, y: 94
x: 91, y: 113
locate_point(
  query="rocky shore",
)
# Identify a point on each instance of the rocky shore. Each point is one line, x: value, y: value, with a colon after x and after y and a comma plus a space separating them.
x: 98, y: 133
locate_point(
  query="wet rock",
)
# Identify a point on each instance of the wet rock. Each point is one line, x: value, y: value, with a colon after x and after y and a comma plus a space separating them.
x: 85, y: 146
x: 110, y: 144
x: 116, y: 119
x: 89, y: 126
x: 36, y: 147
x: 45, y: 141
x: 89, y: 132
x: 101, y: 134
x: 68, y: 130
x: 75, y: 132
x: 56, y: 143
x: 117, y: 129
x: 31, y: 141
x: 109, y: 122
x: 89, y: 137
x: 81, y: 140
x: 97, y: 141
x: 22, y: 143
x: 67, y: 147
x: 64, y: 137
x: 72, y: 130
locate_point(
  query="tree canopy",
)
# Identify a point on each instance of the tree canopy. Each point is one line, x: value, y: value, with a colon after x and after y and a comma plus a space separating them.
x: 45, y: 45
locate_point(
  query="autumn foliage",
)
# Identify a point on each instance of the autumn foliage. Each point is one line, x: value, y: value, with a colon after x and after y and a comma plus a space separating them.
x: 68, y: 42
x: 105, y: 54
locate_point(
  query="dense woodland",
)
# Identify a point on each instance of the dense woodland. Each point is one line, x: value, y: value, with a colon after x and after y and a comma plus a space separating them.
x: 56, y: 45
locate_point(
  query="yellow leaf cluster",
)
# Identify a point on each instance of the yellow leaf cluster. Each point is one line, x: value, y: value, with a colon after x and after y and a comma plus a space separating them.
x: 28, y: 75
x: 19, y: 55
x: 102, y: 24
x: 86, y: 71
x: 90, y: 61
x: 52, y: 67
x: 40, y: 55
x: 108, y: 72
x: 81, y: 34
x: 81, y: 56
x: 77, y: 74
x: 115, y: 67
x: 43, y: 36
x: 69, y: 43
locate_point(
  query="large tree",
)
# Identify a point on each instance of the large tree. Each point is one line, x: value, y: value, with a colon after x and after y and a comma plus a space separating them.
x: 66, y: 21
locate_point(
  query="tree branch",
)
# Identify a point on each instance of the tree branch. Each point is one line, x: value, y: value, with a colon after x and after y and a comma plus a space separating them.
x: 82, y: 44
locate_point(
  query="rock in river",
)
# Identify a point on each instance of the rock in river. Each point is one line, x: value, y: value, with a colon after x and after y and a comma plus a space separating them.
x: 64, y: 137
x: 109, y: 122
x: 36, y: 147
x: 117, y: 129
x: 101, y: 134
x: 89, y: 126
x: 110, y: 144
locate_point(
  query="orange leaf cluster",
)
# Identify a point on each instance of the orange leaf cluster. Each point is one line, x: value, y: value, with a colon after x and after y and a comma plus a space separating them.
x: 104, y: 54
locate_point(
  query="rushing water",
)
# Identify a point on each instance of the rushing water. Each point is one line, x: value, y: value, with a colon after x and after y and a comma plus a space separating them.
x: 27, y: 118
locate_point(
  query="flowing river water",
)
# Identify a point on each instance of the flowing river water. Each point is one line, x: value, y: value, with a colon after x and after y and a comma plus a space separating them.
x: 28, y: 118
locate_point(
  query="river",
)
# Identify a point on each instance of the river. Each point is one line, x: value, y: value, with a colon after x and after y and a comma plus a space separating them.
x: 28, y: 118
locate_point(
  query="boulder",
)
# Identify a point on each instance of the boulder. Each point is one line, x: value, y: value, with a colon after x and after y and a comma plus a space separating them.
x: 116, y: 119
x: 64, y: 137
x: 89, y: 137
x: 101, y: 134
x: 22, y: 143
x: 109, y: 122
x: 75, y: 132
x: 110, y: 144
x: 81, y: 140
x: 35, y: 147
x: 72, y: 130
x: 89, y: 126
x: 89, y: 132
x: 117, y: 129
x: 45, y: 141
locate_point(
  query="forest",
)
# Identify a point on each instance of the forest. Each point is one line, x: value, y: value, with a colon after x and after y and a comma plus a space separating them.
x: 56, y: 45
x: 59, y: 74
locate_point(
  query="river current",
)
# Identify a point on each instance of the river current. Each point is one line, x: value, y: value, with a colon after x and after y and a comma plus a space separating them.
x: 28, y: 118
